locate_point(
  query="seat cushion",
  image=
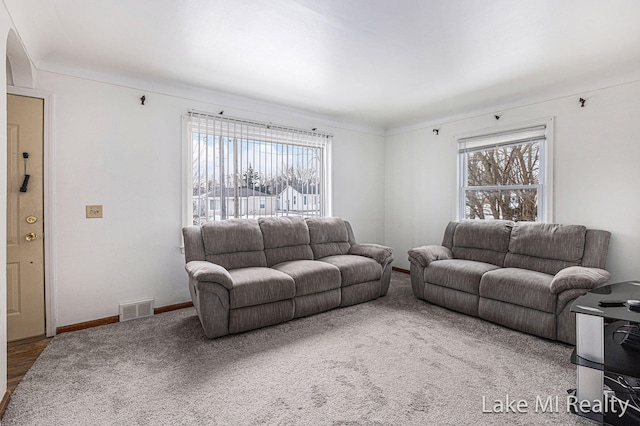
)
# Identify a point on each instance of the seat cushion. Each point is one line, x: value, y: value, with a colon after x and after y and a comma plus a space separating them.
x: 311, y: 276
x: 355, y: 269
x: 255, y: 286
x: 458, y: 274
x: 520, y: 287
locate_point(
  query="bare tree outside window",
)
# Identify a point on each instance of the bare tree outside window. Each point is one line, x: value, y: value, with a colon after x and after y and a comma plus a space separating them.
x: 503, y: 182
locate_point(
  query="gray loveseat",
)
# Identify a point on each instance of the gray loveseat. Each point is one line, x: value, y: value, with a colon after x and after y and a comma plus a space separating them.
x: 522, y: 275
x: 247, y: 273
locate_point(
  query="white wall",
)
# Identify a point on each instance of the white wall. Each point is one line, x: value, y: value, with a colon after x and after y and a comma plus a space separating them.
x: 111, y: 150
x: 596, y: 172
x: 358, y: 183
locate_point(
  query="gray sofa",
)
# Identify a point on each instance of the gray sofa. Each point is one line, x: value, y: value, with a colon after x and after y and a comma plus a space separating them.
x: 247, y: 273
x: 522, y: 275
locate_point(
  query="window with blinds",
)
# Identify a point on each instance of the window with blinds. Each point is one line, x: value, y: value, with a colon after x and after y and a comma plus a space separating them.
x: 245, y: 169
x: 504, y: 175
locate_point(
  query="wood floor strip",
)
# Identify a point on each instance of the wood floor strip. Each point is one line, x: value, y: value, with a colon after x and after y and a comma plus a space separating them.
x: 21, y: 355
x: 4, y: 402
x: 175, y: 307
x: 87, y: 324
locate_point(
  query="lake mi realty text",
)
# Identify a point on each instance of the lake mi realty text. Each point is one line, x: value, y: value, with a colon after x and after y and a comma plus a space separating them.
x: 554, y: 404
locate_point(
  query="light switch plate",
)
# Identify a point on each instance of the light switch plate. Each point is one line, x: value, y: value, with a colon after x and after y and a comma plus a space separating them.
x: 94, y: 211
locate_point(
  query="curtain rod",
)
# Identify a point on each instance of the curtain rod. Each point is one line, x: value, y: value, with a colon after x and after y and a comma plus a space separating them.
x: 220, y: 117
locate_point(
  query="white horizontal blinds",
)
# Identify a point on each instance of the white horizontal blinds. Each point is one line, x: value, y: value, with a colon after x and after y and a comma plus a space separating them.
x: 512, y: 137
x: 244, y: 168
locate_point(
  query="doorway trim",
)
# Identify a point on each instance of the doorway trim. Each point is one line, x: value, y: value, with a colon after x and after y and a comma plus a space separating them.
x: 50, y: 260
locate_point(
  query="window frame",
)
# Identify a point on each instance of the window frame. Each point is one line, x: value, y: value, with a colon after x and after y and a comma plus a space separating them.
x: 187, y: 167
x: 545, y: 185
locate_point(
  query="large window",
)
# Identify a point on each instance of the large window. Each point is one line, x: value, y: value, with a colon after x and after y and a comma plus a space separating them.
x: 239, y: 168
x: 505, y: 175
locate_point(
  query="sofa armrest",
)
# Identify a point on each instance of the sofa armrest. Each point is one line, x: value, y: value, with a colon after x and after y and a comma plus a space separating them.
x: 424, y: 255
x: 201, y: 270
x: 380, y: 254
x: 578, y: 277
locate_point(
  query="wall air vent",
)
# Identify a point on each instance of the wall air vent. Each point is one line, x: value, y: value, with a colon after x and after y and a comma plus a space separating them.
x: 133, y: 310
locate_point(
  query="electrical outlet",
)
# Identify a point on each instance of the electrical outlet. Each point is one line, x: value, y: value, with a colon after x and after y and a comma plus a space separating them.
x: 94, y: 212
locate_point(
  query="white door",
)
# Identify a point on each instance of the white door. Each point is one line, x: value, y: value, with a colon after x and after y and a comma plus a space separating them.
x: 25, y: 213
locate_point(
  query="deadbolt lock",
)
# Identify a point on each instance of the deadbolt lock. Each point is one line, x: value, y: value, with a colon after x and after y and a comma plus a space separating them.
x: 32, y: 219
x: 31, y: 236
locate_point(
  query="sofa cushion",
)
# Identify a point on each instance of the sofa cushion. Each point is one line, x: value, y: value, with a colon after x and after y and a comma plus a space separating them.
x: 252, y: 317
x: 234, y: 243
x: 458, y: 274
x: 450, y: 298
x: 193, y: 244
x: 548, y: 240
x: 255, y: 286
x: 203, y: 271
x: 424, y: 255
x: 449, y: 231
x: 596, y: 246
x: 545, y: 247
x: 359, y: 293
x: 520, y: 287
x: 355, y: 269
x: 482, y: 241
x: 528, y: 320
x: 328, y: 236
x: 547, y: 266
x: 380, y: 254
x: 286, y: 238
x: 311, y: 276
x: 315, y: 303
x: 579, y: 277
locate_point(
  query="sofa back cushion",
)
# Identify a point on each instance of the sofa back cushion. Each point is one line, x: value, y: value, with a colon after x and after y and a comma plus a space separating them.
x: 482, y: 241
x: 545, y: 247
x: 234, y: 243
x: 447, y: 239
x: 596, y: 247
x: 328, y: 236
x: 193, y: 244
x: 286, y: 238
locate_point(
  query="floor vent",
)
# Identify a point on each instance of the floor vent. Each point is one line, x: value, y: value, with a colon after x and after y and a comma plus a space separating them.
x: 133, y: 310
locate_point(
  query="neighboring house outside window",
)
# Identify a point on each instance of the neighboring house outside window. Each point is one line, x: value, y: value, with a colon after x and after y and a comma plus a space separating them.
x: 506, y: 175
x: 310, y: 205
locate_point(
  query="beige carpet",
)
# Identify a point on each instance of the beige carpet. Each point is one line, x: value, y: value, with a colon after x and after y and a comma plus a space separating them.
x: 393, y: 361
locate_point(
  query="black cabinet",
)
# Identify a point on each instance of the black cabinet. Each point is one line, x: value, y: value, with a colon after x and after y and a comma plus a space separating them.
x: 607, y: 356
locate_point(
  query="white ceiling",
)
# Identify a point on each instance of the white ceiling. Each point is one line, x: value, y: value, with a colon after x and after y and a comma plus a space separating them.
x: 380, y: 62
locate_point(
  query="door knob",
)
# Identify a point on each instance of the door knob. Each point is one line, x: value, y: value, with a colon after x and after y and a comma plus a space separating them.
x: 31, y: 236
